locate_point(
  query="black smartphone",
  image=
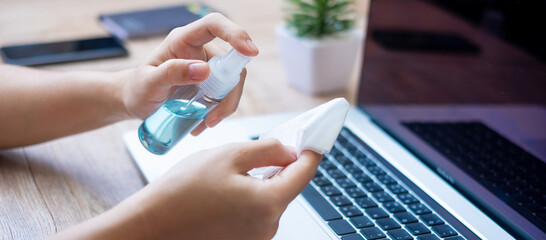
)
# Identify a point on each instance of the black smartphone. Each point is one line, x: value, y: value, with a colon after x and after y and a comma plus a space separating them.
x: 66, y: 51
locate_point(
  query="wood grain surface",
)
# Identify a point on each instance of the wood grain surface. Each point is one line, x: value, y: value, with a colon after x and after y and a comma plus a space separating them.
x: 48, y: 187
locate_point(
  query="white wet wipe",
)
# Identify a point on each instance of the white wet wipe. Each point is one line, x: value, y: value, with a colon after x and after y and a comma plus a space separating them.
x: 316, y: 130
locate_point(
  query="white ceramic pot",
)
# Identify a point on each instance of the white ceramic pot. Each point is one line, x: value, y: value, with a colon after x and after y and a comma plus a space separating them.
x: 316, y: 66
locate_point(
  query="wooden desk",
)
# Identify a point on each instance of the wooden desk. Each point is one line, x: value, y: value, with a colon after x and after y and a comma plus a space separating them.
x: 49, y: 187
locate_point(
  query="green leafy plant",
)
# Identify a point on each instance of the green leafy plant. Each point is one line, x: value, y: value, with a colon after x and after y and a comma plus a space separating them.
x: 319, y: 18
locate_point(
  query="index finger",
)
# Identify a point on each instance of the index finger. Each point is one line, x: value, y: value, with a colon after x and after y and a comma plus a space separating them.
x: 214, y: 25
x: 294, y: 178
x: 229, y: 103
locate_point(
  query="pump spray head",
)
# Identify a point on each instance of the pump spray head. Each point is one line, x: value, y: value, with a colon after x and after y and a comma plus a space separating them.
x: 224, y: 75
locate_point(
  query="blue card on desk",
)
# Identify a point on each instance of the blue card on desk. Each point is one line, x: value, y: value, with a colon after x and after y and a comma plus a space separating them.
x: 151, y: 22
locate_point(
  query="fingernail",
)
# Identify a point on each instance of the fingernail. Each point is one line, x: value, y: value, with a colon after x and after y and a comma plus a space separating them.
x: 214, y: 122
x: 251, y: 45
x: 198, y: 130
x: 198, y: 71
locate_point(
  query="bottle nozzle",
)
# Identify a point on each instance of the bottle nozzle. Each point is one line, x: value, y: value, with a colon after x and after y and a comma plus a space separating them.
x: 224, y: 73
x: 234, y: 62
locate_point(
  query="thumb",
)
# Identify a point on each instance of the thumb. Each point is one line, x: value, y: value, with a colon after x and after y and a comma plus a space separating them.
x: 294, y: 178
x: 176, y: 72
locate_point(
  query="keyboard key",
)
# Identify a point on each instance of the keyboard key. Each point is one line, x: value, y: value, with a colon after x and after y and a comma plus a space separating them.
x: 330, y: 190
x: 394, y: 207
x: 360, y: 154
x: 353, y: 169
x: 335, y: 152
x: 321, y: 181
x: 352, y: 237
x: 455, y: 238
x: 350, y: 211
x: 344, y: 160
x: 376, y: 213
x: 382, y: 197
x: 355, y: 192
x: 397, y: 189
x: 361, y: 221
x: 387, y: 223
x: 340, y: 200
x: 336, y: 173
x: 386, y: 179
x: 375, y: 170
x: 341, y: 227
x: 327, y: 165
x: 345, y: 182
x: 366, y: 202
x: 417, y: 228
x: 431, y: 219
x: 372, y: 233
x: 351, y: 148
x: 367, y: 162
x: 372, y: 187
x: 362, y: 178
x: 399, y: 234
x: 419, y: 209
x: 428, y: 237
x: 321, y: 205
x: 405, y: 217
x: 407, y: 198
x: 444, y: 231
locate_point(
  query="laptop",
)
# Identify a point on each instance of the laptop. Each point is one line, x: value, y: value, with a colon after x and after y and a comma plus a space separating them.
x: 448, y: 137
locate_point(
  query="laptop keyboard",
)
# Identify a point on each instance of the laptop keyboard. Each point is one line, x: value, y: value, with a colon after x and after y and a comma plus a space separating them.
x: 505, y: 169
x: 361, y: 199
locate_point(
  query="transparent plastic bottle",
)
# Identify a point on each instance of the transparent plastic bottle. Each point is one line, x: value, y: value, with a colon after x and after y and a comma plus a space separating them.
x: 189, y: 105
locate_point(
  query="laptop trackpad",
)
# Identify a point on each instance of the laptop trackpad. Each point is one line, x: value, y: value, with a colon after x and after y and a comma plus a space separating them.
x: 296, y: 223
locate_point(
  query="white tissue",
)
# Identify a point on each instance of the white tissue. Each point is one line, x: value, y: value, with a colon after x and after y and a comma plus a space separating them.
x: 316, y: 130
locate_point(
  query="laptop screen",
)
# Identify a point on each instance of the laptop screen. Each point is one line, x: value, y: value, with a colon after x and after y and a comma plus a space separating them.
x: 459, y: 82
x: 454, y: 52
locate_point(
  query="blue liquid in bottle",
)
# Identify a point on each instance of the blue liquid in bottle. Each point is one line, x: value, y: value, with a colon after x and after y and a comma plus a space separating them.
x: 178, y: 116
x: 170, y: 123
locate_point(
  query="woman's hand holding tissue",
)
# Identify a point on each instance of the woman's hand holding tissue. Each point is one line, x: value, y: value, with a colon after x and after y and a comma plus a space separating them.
x: 209, y: 195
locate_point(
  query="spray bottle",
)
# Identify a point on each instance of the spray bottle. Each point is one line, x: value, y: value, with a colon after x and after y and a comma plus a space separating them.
x: 188, y: 106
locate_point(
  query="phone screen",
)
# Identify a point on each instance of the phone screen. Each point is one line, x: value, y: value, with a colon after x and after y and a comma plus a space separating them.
x: 55, y: 52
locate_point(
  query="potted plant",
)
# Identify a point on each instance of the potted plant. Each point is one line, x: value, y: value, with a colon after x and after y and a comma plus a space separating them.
x: 317, y: 45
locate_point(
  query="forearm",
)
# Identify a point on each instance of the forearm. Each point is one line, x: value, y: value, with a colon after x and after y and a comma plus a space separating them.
x: 127, y: 220
x: 121, y: 222
x: 38, y: 105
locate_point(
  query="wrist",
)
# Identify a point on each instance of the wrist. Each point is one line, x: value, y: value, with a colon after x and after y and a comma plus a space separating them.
x: 141, y: 216
x: 101, y: 92
x: 117, y: 94
x: 130, y: 220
